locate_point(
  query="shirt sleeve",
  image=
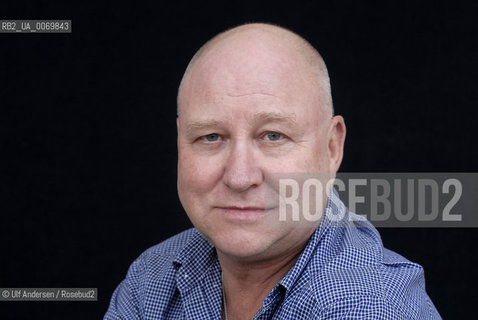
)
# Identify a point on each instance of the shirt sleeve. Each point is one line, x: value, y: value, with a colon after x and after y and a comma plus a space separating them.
x: 373, y: 308
x: 124, y: 303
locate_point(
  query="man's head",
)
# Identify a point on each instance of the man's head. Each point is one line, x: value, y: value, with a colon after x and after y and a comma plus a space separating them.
x: 291, y: 42
x: 254, y: 101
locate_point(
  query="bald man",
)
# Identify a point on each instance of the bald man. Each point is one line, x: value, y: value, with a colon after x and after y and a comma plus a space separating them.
x: 254, y: 105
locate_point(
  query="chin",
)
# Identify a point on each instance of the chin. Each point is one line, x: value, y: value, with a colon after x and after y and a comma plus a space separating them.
x: 243, y: 254
x: 242, y: 245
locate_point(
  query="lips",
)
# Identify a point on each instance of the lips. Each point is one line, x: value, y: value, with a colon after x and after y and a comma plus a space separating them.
x: 243, y: 212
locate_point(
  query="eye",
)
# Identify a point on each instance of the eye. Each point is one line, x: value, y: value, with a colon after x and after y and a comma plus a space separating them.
x: 211, y: 137
x: 273, y: 136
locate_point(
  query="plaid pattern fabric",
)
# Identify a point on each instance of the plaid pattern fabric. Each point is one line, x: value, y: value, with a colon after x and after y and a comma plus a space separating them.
x: 344, y: 272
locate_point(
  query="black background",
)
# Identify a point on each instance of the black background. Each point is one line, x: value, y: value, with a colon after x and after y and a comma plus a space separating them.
x: 88, y: 141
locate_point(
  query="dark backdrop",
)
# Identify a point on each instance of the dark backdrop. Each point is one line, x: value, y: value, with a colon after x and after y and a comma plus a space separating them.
x: 88, y: 141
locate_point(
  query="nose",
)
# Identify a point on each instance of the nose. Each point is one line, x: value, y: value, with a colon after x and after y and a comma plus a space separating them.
x: 242, y: 169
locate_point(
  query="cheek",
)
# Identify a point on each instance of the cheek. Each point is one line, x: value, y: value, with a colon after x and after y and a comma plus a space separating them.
x: 319, y: 155
x: 196, y: 174
x: 197, y: 180
x: 311, y: 159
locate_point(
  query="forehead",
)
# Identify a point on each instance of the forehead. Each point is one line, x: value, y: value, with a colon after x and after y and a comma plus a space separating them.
x: 239, y: 66
x: 246, y: 75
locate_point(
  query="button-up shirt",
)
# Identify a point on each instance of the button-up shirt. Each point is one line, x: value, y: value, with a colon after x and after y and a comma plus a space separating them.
x: 344, y: 272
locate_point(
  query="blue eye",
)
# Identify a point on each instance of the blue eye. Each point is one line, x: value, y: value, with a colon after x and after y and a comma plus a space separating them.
x: 273, y: 136
x: 212, y: 137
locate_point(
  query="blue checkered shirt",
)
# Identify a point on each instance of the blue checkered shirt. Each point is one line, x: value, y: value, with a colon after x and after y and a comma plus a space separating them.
x: 344, y: 272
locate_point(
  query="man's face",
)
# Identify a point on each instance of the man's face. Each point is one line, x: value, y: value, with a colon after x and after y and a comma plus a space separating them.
x: 243, y: 118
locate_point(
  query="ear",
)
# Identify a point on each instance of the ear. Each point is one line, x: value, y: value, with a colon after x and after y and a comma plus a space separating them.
x: 336, y: 139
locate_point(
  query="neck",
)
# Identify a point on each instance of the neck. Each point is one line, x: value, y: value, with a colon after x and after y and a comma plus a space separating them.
x: 246, y: 284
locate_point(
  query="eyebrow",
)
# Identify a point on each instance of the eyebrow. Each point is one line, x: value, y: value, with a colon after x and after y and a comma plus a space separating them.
x: 287, y: 119
x: 261, y: 117
x: 201, y: 124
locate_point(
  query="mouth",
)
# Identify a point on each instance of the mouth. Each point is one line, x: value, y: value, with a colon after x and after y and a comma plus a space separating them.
x: 244, y: 213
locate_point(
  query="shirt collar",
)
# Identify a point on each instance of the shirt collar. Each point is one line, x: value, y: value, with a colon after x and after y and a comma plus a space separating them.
x: 334, y: 215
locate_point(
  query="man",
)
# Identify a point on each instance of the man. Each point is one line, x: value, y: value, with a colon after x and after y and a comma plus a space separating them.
x: 255, y: 102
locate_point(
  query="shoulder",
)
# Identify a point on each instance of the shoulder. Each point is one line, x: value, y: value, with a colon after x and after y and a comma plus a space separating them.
x: 152, y: 272
x: 363, y: 277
